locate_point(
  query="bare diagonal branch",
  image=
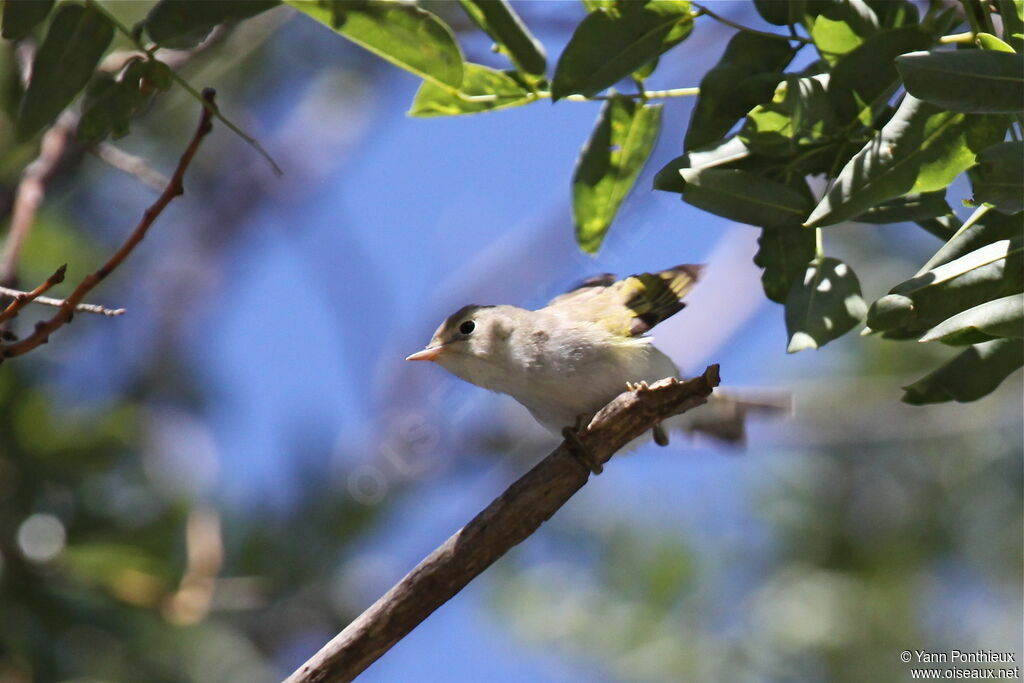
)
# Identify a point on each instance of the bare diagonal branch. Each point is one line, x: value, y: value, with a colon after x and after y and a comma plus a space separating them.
x: 507, y: 521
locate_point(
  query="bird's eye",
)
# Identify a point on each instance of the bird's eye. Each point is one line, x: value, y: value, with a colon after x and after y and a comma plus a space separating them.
x: 467, y: 327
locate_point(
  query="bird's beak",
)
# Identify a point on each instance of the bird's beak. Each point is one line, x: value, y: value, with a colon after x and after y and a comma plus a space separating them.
x: 429, y: 353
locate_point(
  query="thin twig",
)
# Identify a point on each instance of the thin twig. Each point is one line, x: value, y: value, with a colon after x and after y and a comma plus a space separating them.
x: 507, y: 521
x: 174, y: 188
x: 130, y: 164
x: 701, y: 9
x: 22, y: 299
x: 57, y: 303
x: 546, y: 95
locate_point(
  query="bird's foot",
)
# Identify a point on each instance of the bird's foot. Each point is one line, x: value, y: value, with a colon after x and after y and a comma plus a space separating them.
x: 578, y: 448
x: 637, y: 386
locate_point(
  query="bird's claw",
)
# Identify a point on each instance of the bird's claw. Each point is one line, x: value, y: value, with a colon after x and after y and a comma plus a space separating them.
x: 578, y: 449
x: 637, y: 387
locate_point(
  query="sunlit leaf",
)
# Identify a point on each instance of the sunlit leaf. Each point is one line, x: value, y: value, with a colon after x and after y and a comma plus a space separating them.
x: 496, y: 89
x: 1012, y: 14
x: 743, y: 196
x: 77, y: 38
x: 987, y: 41
x: 726, y: 153
x: 21, y: 16
x: 838, y: 28
x: 824, y: 305
x: 992, y: 227
x: 745, y: 75
x: 921, y: 149
x: 503, y: 25
x: 972, y: 374
x: 183, y: 24
x: 611, y: 43
x: 999, y: 176
x: 975, y: 81
x: 1003, y: 317
x: 799, y: 113
x: 911, y: 207
x: 783, y: 254
x: 405, y: 35
x: 609, y: 165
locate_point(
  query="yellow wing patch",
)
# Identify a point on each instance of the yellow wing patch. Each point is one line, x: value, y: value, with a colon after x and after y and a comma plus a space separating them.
x: 630, y: 306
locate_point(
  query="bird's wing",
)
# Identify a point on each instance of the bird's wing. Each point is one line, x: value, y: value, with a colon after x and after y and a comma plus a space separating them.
x: 630, y: 306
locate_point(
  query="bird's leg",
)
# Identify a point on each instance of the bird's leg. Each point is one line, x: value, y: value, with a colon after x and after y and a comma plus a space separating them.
x: 660, y: 435
x: 577, y: 447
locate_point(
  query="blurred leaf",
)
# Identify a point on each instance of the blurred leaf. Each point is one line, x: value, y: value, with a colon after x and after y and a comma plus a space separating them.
x: 611, y: 43
x: 839, y: 27
x: 911, y: 207
x: 778, y: 12
x: 921, y: 149
x: 21, y: 16
x: 824, y: 305
x: 405, y: 35
x: 110, y: 104
x: 1012, y: 14
x: 973, y: 81
x: 434, y: 100
x: 971, y: 375
x: 894, y: 13
x: 1002, y: 317
x: 77, y: 38
x: 743, y: 196
x: 987, y: 41
x: 746, y: 74
x: 992, y: 227
x: 798, y: 114
x: 943, y: 227
x: 184, y: 24
x: 609, y: 165
x: 998, y: 179
x: 863, y: 80
x: 646, y: 70
x: 503, y: 25
x: 992, y: 271
x: 783, y: 253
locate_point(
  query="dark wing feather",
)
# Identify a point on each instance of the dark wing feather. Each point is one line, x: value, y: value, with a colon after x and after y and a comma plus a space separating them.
x: 630, y: 306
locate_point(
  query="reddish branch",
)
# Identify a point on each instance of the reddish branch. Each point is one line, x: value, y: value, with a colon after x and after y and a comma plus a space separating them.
x: 43, y: 330
x: 24, y: 299
x: 507, y: 521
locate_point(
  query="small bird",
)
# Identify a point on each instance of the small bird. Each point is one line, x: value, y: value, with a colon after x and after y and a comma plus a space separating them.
x: 567, y: 360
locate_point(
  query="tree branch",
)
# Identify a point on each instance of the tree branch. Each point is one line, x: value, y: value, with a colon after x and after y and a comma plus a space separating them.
x: 174, y: 188
x: 507, y: 521
x: 57, y: 303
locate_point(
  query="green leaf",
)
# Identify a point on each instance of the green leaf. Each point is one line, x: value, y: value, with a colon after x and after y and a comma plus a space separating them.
x: 943, y: 227
x: 783, y: 254
x: 971, y: 375
x: 864, y: 79
x: 21, y: 16
x: 109, y: 104
x: 894, y: 13
x: 911, y: 207
x: 921, y: 149
x: 503, y: 25
x: 728, y: 153
x: 992, y: 227
x: 778, y: 12
x: 77, y: 38
x: 798, y: 114
x: 405, y: 35
x: 609, y: 165
x: 839, y: 27
x: 1012, y: 13
x: 824, y: 305
x: 745, y: 75
x: 990, y: 272
x: 974, y: 81
x: 183, y: 24
x: 610, y: 44
x: 744, y: 196
x: 987, y: 41
x: 998, y: 179
x: 1002, y: 317
x: 478, y: 81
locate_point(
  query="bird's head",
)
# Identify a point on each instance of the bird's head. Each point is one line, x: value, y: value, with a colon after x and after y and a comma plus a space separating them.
x: 471, y: 341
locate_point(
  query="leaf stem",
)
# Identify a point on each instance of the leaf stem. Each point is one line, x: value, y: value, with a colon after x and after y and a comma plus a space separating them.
x: 964, y: 38
x: 546, y: 95
x: 213, y: 109
x: 728, y: 22
x: 819, y: 245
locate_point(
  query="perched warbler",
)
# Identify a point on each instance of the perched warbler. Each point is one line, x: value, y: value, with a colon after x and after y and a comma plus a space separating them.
x: 567, y: 360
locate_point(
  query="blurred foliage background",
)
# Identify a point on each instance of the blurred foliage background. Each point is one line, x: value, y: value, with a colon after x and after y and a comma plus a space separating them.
x: 210, y: 486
